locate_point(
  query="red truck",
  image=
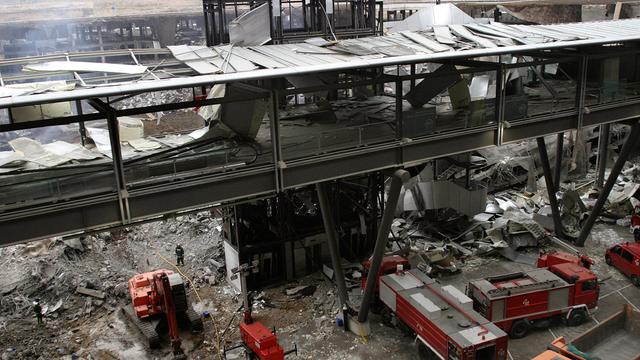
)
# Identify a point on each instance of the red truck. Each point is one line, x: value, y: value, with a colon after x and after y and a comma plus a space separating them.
x: 626, y: 258
x: 519, y: 301
x: 547, y: 259
x: 442, y: 317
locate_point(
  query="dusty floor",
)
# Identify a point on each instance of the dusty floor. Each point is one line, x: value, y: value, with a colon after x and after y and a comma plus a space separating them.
x: 328, y: 342
x: 91, y: 329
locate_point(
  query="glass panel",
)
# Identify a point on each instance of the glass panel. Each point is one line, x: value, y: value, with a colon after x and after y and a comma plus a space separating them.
x: 466, y: 101
x: 52, y: 164
x: 317, y: 128
x: 4, y: 116
x: 539, y: 90
x: 612, y: 79
x: 163, y: 146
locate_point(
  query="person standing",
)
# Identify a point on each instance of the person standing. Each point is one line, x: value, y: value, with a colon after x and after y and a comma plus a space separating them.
x: 38, y: 310
x: 179, y: 255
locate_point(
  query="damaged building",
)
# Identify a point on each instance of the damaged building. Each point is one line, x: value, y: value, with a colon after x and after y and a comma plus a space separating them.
x: 319, y: 167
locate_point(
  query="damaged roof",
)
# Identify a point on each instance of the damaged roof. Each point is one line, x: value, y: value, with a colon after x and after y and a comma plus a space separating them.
x: 227, y: 63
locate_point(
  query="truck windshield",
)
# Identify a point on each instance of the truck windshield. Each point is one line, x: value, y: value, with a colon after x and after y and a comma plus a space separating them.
x: 589, y: 285
x: 480, y: 307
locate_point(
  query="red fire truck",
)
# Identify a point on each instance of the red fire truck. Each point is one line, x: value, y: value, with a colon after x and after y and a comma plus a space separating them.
x: 442, y: 317
x: 519, y: 301
x: 547, y: 259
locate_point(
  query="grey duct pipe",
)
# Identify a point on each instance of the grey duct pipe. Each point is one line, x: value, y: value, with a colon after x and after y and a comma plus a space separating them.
x: 397, y: 180
x: 558, y: 168
x: 332, y: 242
x: 603, y: 147
x: 546, y: 168
x: 611, y: 180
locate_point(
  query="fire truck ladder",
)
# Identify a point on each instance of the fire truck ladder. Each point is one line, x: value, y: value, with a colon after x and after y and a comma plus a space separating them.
x: 519, y: 289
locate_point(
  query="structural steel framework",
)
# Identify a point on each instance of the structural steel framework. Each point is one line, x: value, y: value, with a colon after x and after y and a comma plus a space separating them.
x: 165, y: 189
x: 295, y: 20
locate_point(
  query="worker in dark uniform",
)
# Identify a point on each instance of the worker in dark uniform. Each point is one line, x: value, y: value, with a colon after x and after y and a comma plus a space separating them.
x: 38, y: 310
x: 179, y: 255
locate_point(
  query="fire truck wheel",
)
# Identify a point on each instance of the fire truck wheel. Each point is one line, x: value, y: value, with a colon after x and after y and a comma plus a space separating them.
x: 387, y: 317
x: 519, y: 329
x: 635, y: 280
x: 607, y: 259
x: 576, y: 317
x: 406, y: 330
x: 424, y: 353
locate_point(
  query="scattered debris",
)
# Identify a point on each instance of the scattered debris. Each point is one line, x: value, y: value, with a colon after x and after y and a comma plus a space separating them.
x: 90, y: 292
x: 298, y: 291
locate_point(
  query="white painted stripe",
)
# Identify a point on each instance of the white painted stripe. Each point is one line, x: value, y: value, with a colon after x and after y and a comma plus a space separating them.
x: 627, y: 300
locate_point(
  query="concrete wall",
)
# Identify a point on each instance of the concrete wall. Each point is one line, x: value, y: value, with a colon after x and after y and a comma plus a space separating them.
x: 14, y: 11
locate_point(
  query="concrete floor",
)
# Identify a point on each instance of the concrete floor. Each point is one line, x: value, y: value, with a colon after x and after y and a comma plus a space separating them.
x: 615, y: 290
x: 323, y: 339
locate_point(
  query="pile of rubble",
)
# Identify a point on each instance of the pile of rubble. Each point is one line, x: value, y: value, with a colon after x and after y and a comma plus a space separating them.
x: 78, y: 279
x: 515, y: 222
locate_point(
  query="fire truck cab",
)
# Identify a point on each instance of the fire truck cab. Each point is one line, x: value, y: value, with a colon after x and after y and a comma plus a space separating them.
x: 547, y: 259
x: 519, y: 301
x: 442, y: 318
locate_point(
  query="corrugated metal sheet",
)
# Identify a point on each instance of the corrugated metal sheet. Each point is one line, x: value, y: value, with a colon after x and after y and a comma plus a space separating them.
x: 462, y: 32
x: 460, y: 41
x: 443, y: 35
x: 430, y: 44
x: 258, y: 58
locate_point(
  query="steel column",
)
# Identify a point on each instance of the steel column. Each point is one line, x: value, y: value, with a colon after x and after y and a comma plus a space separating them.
x: 116, y: 155
x: 114, y: 136
x: 399, y: 101
x: 581, y: 88
x: 546, y: 168
x: 332, y: 242
x: 632, y: 140
x: 499, y: 104
x: 413, y: 73
x: 397, y: 180
x: 558, y: 168
x: 278, y: 161
x: 603, y: 147
x: 83, y: 130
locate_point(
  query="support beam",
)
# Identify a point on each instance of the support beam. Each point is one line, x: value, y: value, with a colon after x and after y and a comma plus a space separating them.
x: 603, y: 147
x: 397, y: 180
x: 632, y: 140
x: 617, y: 10
x: 116, y: 156
x: 546, y: 168
x: 558, y: 168
x: 332, y: 242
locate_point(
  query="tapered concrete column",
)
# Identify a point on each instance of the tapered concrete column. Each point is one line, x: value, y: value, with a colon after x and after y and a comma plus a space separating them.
x: 397, y: 180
